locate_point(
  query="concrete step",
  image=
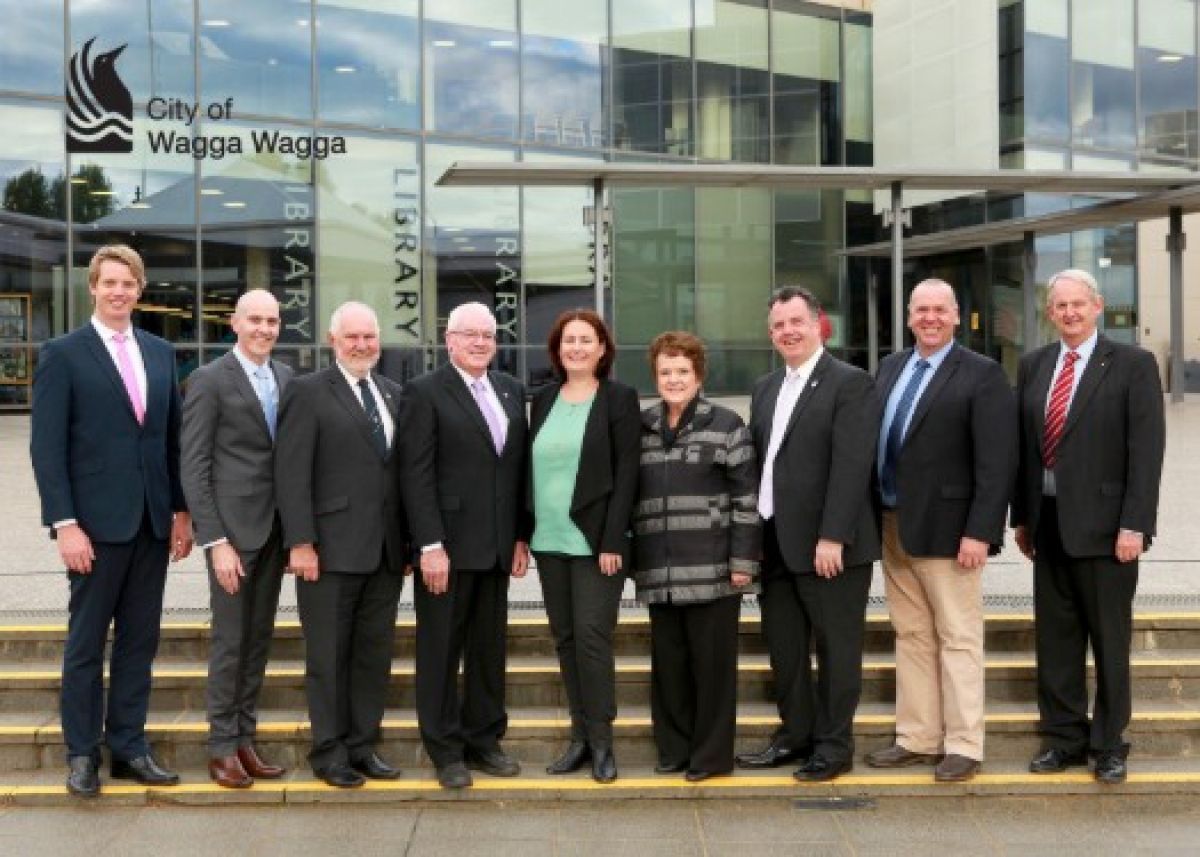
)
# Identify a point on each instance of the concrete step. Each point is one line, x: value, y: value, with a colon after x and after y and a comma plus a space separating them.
x: 535, y: 681
x: 1157, y: 776
x: 1158, y: 730
x: 528, y: 634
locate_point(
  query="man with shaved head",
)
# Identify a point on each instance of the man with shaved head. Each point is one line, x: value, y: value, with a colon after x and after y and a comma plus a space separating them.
x: 343, y: 526
x: 944, y: 467
x: 228, y: 466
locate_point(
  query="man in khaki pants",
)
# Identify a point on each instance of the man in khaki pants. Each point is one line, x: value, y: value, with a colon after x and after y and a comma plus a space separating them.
x: 945, y: 466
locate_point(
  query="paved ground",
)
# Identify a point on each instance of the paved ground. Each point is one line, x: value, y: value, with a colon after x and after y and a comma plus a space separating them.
x: 30, y: 579
x: 1062, y: 827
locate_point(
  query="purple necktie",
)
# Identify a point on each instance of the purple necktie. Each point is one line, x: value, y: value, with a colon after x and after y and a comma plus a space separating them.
x: 489, y: 413
x: 125, y: 364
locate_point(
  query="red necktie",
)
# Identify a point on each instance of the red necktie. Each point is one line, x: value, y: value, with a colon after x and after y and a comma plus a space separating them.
x: 1056, y: 411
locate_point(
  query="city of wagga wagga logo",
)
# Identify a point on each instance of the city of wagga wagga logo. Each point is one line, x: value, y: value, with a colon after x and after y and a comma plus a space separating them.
x: 217, y: 146
x: 99, y: 108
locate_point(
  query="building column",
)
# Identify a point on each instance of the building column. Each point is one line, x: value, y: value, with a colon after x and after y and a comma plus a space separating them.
x: 1176, y: 242
x: 897, y: 218
x: 1029, y: 325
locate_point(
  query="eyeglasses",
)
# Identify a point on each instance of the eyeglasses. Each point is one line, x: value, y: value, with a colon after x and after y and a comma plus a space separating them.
x: 473, y: 335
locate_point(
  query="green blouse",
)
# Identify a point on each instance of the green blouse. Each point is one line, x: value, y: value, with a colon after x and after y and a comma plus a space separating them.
x: 556, y: 451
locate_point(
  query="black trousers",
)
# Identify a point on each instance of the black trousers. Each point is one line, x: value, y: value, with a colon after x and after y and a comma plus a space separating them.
x: 468, y: 623
x: 349, y: 623
x: 693, y: 683
x: 125, y: 588
x: 801, y: 612
x: 582, y: 603
x: 242, y: 627
x: 1078, y: 601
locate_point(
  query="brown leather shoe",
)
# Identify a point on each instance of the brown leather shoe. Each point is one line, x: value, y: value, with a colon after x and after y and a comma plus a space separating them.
x: 227, y: 771
x: 896, y: 756
x: 256, y: 767
x: 956, y: 769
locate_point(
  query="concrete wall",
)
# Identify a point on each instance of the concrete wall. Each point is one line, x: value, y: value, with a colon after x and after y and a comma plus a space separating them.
x: 1154, y: 283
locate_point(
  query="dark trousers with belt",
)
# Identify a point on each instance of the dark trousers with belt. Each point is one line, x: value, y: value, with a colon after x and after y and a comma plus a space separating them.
x: 693, y: 690
x: 582, y: 604
x: 124, y: 588
x: 349, y: 623
x: 801, y: 612
x: 1078, y: 601
x: 468, y: 623
x: 242, y: 627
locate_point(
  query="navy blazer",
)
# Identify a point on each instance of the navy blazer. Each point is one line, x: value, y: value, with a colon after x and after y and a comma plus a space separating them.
x: 92, y: 461
x: 607, y: 482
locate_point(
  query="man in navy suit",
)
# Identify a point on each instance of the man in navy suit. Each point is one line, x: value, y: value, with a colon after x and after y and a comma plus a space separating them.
x: 105, y: 449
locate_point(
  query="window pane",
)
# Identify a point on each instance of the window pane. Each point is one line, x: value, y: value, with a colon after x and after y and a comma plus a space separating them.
x: 259, y: 54
x: 652, y: 75
x: 859, y: 105
x: 806, y: 55
x: 368, y: 62
x: 31, y: 52
x: 471, y: 68
x: 562, y: 46
x: 256, y: 216
x: 1102, y: 73
x: 731, y: 71
x: 1167, y: 79
x: 158, y: 57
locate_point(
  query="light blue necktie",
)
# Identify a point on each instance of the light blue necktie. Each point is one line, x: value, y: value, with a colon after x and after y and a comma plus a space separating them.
x: 262, y: 384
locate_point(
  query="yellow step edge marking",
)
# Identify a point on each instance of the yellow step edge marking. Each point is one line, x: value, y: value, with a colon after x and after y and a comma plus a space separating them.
x: 583, y: 784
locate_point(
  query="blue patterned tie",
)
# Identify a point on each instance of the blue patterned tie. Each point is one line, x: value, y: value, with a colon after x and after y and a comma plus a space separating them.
x: 368, y: 403
x: 891, y: 450
x: 262, y: 384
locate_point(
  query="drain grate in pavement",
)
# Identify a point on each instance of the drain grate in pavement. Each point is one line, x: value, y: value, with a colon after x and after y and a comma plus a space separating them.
x: 833, y: 804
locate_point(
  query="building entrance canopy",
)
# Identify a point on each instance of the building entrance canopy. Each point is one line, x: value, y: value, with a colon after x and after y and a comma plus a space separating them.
x: 1139, y: 196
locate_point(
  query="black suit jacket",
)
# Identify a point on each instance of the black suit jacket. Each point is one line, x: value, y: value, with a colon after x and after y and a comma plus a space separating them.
x: 92, y: 460
x: 333, y: 488
x: 958, y: 460
x: 1109, y: 459
x: 457, y: 490
x: 822, y: 478
x: 607, y: 482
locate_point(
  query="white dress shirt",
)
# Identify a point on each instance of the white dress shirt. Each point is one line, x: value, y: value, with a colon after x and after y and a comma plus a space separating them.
x: 794, y: 382
x: 385, y: 416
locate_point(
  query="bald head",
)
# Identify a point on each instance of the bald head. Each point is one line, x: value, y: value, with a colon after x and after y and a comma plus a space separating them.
x: 932, y: 315
x: 256, y: 322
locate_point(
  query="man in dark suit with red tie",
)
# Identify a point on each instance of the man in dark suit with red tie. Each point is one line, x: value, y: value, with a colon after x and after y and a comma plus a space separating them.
x: 1092, y: 435
x: 463, y: 478
x: 105, y: 450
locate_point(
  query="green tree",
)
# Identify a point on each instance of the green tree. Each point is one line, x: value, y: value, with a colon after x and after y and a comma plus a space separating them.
x: 91, y: 194
x: 29, y: 193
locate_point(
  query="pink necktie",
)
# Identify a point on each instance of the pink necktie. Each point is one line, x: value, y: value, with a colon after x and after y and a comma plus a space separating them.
x: 125, y: 364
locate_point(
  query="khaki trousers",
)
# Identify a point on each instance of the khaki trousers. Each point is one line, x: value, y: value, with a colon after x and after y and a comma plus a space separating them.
x: 936, y: 608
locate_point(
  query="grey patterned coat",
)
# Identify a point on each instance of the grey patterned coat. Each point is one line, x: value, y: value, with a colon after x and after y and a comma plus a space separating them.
x: 696, y: 520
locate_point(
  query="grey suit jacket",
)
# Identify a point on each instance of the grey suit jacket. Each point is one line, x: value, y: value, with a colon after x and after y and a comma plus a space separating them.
x: 822, y: 477
x: 227, y: 455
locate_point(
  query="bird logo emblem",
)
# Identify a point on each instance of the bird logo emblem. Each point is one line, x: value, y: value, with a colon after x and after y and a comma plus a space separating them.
x: 99, y: 106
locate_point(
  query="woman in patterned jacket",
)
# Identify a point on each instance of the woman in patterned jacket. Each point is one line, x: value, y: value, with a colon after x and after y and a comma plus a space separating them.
x: 697, y: 545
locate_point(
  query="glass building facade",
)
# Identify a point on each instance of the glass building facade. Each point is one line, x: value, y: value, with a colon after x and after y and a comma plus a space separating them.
x: 295, y: 144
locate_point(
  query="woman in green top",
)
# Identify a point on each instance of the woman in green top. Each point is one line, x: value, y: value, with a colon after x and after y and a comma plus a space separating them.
x: 585, y: 433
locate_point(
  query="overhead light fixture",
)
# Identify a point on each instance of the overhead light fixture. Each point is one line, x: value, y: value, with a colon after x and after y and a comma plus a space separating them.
x: 139, y: 205
x: 500, y: 43
x: 102, y: 192
x: 303, y: 22
x: 78, y: 180
x: 1170, y: 58
x: 234, y: 203
x: 1104, y: 262
x: 345, y: 69
x: 216, y: 22
x: 211, y: 191
x: 444, y: 43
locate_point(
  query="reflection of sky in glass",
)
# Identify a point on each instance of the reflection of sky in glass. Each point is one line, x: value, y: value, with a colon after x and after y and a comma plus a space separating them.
x: 368, y: 65
x: 473, y: 78
x: 259, y: 54
x: 40, y: 142
x: 159, y: 35
x: 563, y: 85
x: 32, y: 57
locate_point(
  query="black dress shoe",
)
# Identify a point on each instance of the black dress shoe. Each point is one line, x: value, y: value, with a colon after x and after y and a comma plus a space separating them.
x: 493, y: 761
x: 145, y: 769
x: 1054, y: 761
x: 573, y: 758
x: 340, y: 776
x: 670, y: 767
x: 373, y: 767
x: 604, y: 765
x: 695, y: 776
x: 83, y: 776
x: 771, y: 756
x: 818, y: 769
x: 454, y: 776
x: 1110, y: 768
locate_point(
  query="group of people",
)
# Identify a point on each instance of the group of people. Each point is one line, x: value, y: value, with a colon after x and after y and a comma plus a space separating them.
x: 349, y: 483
